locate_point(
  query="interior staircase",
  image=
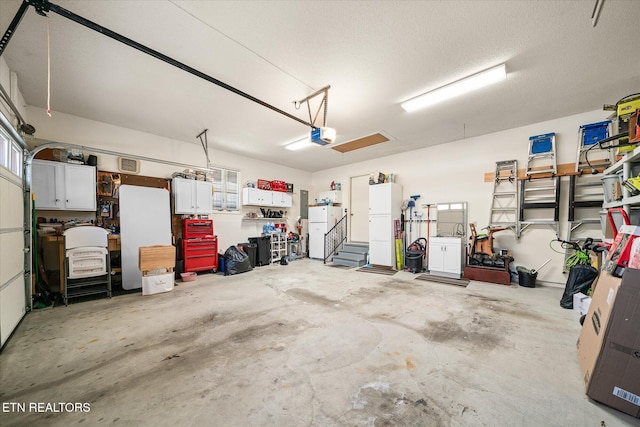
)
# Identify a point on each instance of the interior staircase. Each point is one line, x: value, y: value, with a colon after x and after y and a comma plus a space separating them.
x: 352, y: 254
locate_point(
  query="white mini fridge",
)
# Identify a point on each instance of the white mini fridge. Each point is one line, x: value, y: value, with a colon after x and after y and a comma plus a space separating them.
x: 321, y: 220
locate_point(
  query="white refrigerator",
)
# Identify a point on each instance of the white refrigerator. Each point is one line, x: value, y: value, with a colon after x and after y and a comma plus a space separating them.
x: 321, y: 220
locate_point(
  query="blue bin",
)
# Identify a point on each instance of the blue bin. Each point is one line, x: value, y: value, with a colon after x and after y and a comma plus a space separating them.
x: 221, y: 263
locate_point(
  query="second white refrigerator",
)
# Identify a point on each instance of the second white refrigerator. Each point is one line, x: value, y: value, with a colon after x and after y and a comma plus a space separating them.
x: 321, y: 220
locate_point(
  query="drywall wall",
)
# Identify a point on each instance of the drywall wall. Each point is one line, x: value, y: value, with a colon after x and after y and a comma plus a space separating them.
x: 9, y: 81
x: 231, y: 228
x: 443, y: 173
x: 455, y: 172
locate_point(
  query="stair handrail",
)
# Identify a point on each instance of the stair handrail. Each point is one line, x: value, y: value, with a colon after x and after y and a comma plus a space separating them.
x: 334, y: 238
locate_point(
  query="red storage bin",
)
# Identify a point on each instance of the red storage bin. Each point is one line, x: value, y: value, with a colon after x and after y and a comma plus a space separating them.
x: 279, y: 186
x: 263, y: 184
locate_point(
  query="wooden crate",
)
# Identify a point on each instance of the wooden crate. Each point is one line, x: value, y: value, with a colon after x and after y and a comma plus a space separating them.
x: 156, y: 257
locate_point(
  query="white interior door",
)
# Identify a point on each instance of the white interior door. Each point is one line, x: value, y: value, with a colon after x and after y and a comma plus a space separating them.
x: 359, y: 209
x: 13, y: 291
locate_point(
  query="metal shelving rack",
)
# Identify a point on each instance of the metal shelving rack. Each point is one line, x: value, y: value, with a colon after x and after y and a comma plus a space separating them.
x: 625, y: 164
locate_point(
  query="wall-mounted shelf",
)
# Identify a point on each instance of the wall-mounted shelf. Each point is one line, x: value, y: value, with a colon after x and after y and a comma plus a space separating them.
x: 628, y: 158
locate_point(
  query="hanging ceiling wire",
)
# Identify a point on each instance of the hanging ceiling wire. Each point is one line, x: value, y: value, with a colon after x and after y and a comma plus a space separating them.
x: 237, y: 42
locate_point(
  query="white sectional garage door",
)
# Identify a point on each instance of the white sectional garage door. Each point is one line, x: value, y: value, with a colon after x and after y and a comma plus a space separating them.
x: 12, y: 278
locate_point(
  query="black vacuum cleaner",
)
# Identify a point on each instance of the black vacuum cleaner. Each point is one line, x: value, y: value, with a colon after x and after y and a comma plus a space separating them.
x: 415, y: 255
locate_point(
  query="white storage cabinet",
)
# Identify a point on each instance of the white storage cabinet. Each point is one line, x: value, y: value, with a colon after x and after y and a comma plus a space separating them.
x: 257, y: 197
x: 63, y: 186
x: 192, y: 196
x: 385, y: 204
x: 446, y: 257
x: 281, y: 199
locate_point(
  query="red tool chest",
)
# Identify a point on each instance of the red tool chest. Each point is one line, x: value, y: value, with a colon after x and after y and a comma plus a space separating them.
x: 199, y: 245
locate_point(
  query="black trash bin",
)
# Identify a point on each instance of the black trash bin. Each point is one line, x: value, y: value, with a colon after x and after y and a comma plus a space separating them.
x: 263, y: 252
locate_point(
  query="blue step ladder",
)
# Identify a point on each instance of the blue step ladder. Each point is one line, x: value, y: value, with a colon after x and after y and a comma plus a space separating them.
x: 590, y: 156
x: 542, y: 149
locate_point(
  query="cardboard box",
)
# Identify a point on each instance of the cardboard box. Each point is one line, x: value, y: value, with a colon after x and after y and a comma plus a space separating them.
x: 609, y: 343
x: 157, y: 283
x: 581, y: 303
x: 156, y: 257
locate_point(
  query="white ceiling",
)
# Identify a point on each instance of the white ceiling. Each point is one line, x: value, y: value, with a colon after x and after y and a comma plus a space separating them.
x: 374, y: 54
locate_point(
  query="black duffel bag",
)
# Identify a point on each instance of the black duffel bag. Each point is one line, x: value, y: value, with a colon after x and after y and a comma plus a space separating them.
x: 236, y: 261
x: 580, y: 279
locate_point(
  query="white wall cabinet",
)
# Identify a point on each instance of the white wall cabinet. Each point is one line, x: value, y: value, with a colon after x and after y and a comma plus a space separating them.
x: 257, y: 197
x: 446, y: 257
x: 385, y: 204
x: 191, y: 196
x: 281, y: 199
x: 63, y: 186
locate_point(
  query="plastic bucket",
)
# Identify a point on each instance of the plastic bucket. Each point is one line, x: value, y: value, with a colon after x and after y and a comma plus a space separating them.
x: 527, y: 279
x: 608, y: 184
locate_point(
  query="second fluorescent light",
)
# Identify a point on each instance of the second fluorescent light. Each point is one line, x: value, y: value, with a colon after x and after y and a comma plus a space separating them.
x: 468, y: 84
x: 299, y: 144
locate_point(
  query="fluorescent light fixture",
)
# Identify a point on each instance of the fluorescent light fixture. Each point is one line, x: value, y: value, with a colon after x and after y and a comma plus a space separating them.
x: 468, y: 84
x: 299, y: 144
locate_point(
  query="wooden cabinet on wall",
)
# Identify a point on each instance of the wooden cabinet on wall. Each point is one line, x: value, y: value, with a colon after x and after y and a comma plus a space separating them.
x: 257, y: 197
x: 63, y: 186
x: 192, y: 196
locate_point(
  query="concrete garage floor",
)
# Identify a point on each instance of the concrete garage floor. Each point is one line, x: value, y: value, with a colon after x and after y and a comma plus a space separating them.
x: 305, y: 345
